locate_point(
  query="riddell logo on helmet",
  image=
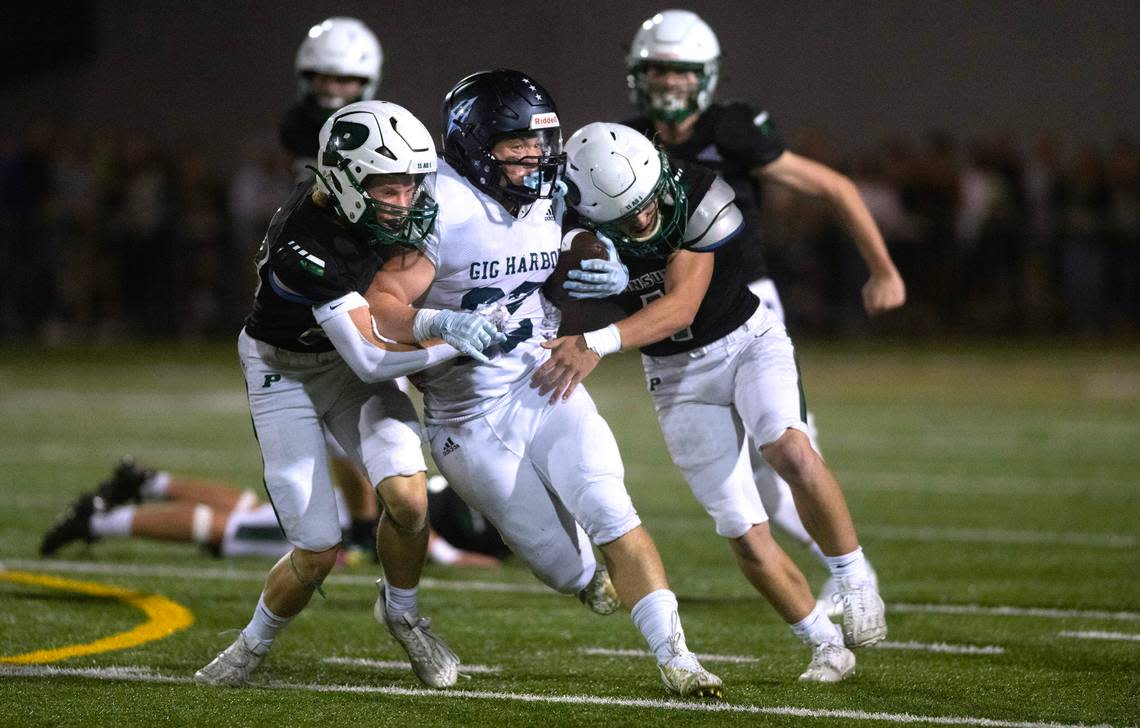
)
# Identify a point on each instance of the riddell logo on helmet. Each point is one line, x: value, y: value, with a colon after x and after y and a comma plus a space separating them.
x: 543, y: 121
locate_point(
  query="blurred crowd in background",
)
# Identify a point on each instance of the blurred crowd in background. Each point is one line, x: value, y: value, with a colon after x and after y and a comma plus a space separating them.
x: 103, y: 239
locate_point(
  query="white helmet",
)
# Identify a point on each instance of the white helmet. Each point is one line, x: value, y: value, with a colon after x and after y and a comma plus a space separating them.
x: 680, y: 39
x: 612, y: 174
x: 340, y: 46
x: 378, y: 137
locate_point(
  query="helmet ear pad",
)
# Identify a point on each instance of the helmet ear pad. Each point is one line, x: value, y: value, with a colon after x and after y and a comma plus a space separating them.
x: 573, y: 194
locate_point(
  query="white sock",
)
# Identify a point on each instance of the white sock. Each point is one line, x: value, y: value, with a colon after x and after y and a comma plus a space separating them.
x: 817, y: 629
x: 656, y: 617
x: 400, y: 601
x: 115, y: 522
x: 852, y: 566
x: 265, y: 624
x: 156, y: 486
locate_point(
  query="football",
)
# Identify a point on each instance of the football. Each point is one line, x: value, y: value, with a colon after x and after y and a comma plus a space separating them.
x: 579, y: 315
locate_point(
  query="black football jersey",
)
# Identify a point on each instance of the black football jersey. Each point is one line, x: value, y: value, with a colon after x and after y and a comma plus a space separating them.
x: 728, y: 302
x: 731, y: 138
x: 307, y: 258
x: 300, y: 128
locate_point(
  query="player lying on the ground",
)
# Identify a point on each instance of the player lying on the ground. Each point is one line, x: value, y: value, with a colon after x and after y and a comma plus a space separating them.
x: 720, y: 369
x: 230, y: 522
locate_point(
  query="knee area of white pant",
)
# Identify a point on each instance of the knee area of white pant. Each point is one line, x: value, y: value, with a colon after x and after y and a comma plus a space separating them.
x: 570, y: 577
x: 732, y: 526
x: 609, y: 516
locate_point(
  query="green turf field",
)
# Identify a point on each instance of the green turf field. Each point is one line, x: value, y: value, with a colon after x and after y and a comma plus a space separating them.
x: 997, y: 490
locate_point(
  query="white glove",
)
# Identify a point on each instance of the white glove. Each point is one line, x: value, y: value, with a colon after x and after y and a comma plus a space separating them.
x: 598, y: 277
x: 468, y: 332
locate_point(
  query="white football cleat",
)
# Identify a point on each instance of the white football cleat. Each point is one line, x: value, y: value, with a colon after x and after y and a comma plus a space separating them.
x: 600, y: 595
x: 864, y: 614
x: 233, y: 665
x: 829, y: 663
x: 683, y: 675
x: 828, y: 591
x: 433, y: 661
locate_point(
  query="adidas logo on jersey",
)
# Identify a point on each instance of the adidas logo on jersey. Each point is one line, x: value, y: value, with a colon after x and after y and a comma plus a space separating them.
x: 449, y: 446
x: 549, y: 214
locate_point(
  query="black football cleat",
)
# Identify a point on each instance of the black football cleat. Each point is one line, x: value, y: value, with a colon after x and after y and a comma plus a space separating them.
x: 124, y: 485
x: 74, y: 524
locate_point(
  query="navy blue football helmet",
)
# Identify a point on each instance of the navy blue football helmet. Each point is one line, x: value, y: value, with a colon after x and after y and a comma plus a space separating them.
x: 491, y: 106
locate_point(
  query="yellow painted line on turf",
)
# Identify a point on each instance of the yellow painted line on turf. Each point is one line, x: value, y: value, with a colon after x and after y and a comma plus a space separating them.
x: 164, y: 617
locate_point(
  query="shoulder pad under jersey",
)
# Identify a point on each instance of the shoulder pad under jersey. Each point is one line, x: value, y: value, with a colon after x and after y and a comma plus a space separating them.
x: 714, y: 219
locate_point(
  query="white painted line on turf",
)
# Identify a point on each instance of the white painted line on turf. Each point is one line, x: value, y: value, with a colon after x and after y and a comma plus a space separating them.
x: 397, y: 665
x: 113, y: 673
x: 225, y: 574
x: 925, y: 534
x: 1012, y: 611
x: 997, y: 535
x: 608, y: 652
x: 1098, y: 635
x: 888, y: 645
x: 992, y: 484
x: 942, y: 647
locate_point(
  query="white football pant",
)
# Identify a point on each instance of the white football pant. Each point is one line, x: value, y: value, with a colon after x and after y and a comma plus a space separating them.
x: 293, y: 398
x: 536, y: 471
x: 709, y: 401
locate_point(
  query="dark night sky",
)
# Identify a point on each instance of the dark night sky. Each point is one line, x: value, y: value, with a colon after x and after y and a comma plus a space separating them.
x: 219, y: 74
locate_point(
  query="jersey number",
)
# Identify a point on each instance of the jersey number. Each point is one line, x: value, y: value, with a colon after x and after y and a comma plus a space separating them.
x: 478, y: 296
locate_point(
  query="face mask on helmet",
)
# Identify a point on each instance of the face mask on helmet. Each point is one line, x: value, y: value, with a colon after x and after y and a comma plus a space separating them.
x: 331, y: 92
x: 391, y: 222
x: 339, y: 62
x: 501, y: 132
x: 529, y: 163
x: 672, y: 43
x: 377, y: 164
x: 670, y: 91
x: 658, y: 224
x: 387, y: 222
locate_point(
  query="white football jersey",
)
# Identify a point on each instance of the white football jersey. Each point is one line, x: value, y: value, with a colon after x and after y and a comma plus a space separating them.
x: 489, y: 261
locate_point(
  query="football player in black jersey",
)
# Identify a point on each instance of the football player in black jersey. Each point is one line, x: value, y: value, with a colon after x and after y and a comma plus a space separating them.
x: 338, y: 63
x: 671, y: 71
x: 314, y: 362
x: 720, y: 369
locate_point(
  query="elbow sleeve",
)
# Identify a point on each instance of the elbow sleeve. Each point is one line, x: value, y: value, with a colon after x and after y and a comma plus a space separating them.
x: 370, y: 361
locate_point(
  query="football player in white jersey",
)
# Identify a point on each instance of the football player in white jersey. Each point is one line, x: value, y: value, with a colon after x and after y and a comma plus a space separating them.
x: 535, y: 470
x: 720, y: 369
x: 671, y: 71
x: 314, y: 362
